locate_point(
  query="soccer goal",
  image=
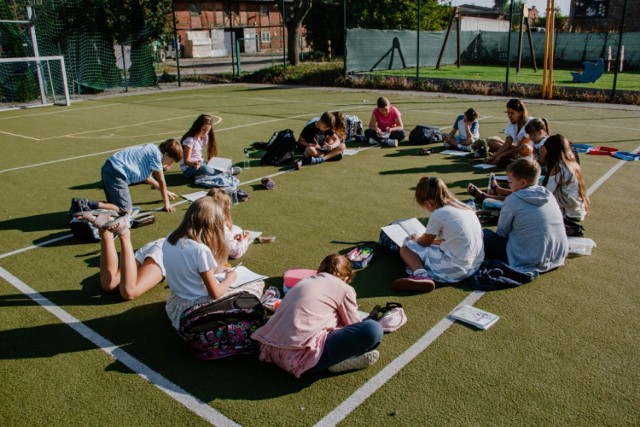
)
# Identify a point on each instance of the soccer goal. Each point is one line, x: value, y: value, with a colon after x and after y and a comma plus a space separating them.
x: 33, y: 80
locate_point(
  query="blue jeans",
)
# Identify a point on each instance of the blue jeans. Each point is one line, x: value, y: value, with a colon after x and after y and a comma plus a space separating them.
x: 347, y: 342
x: 495, y: 246
x: 115, y: 187
x: 205, y: 169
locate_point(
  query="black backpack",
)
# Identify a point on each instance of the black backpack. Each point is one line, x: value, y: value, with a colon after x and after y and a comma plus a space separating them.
x: 84, y: 231
x: 421, y: 135
x: 223, y: 327
x: 280, y: 148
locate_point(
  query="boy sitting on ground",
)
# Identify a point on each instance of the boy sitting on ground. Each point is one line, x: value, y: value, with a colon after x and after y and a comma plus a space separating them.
x: 530, y: 236
x: 468, y: 129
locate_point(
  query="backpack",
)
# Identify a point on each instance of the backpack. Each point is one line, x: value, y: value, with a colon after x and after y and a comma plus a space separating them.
x: 223, y: 327
x: 421, y: 135
x: 354, y: 129
x: 83, y: 230
x: 280, y: 148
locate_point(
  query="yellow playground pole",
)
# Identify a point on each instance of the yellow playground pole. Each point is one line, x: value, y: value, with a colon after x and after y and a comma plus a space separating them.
x: 547, y: 67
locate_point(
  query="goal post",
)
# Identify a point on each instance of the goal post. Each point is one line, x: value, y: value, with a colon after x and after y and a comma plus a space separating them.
x: 24, y: 80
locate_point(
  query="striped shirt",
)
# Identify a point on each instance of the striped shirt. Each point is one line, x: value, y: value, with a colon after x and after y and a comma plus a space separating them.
x: 137, y: 163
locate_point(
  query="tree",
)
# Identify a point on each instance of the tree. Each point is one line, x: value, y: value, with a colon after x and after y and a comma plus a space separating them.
x: 294, y: 13
x: 324, y: 22
x: 501, y: 4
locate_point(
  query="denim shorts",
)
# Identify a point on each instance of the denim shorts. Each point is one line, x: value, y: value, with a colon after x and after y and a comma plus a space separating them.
x: 116, y: 187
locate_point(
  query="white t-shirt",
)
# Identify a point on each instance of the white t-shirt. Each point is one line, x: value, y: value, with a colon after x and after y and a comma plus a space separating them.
x: 197, y: 150
x: 568, y: 194
x: 517, y: 135
x: 461, y: 235
x: 461, y: 127
x: 183, y: 263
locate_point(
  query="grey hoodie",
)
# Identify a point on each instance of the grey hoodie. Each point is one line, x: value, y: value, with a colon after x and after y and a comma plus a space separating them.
x: 532, y: 221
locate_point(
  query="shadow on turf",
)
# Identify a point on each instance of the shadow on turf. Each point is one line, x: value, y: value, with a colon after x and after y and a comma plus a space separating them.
x: 40, y: 222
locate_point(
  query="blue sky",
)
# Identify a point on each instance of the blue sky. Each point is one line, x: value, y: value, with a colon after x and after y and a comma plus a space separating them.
x: 541, y: 5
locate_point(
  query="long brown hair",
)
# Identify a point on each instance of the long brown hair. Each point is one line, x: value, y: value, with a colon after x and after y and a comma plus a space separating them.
x: 559, y: 154
x: 434, y: 189
x: 517, y: 105
x: 335, y: 121
x: 196, y: 127
x: 204, y: 223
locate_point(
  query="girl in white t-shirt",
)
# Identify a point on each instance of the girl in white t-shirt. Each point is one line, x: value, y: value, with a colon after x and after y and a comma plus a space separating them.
x: 451, y: 248
x: 193, y: 254
x: 517, y: 142
x: 564, y: 178
x: 538, y: 131
x: 199, y: 146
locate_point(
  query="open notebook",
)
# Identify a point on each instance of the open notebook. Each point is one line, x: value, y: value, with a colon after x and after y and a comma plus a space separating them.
x: 220, y: 163
x: 245, y: 276
x: 400, y: 230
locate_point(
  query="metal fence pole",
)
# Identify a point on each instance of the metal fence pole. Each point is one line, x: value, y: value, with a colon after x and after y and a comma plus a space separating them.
x: 284, y: 39
x: 618, y: 55
x: 418, y: 43
x: 175, y: 39
x: 506, y: 79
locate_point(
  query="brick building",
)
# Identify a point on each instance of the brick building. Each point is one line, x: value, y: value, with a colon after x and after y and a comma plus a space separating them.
x: 208, y: 28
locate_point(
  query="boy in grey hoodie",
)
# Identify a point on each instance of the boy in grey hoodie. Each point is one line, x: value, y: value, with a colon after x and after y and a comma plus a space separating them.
x: 530, y: 236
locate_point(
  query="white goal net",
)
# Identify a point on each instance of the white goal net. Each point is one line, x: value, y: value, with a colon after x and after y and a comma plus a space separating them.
x: 33, y: 81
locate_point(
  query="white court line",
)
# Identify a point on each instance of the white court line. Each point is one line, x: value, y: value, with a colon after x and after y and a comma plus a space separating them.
x: 72, y: 110
x: 172, y: 390
x: 20, y: 136
x: 382, y: 377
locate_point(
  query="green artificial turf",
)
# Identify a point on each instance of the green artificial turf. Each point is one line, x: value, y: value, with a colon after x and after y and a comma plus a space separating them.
x: 562, y: 353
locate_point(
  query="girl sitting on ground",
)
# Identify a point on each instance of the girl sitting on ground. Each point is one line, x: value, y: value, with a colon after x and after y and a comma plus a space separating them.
x: 317, y: 326
x: 451, y: 248
x: 517, y: 142
x: 538, y: 131
x: 194, y: 253
x: 322, y: 139
x: 385, y: 124
x: 564, y: 178
x: 199, y: 146
x: 237, y: 239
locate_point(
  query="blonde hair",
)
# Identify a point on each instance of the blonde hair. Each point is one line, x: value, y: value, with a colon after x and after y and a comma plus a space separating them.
x: 537, y: 125
x: 430, y: 188
x: 221, y: 197
x: 337, y: 265
x: 203, y: 223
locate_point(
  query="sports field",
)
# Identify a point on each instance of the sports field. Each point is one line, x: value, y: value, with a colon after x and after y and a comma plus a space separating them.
x: 564, y: 352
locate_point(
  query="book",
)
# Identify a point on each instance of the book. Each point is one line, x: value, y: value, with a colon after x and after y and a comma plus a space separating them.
x: 484, y: 166
x: 245, y: 276
x: 455, y: 152
x: 253, y: 235
x: 192, y: 197
x: 400, y: 230
x: 474, y: 316
x: 220, y: 163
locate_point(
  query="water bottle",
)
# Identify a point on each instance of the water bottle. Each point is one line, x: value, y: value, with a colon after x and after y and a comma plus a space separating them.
x: 247, y: 159
x: 472, y: 204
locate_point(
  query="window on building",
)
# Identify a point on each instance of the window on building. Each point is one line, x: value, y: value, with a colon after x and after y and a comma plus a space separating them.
x: 265, y: 36
x: 194, y: 7
x: 264, y: 10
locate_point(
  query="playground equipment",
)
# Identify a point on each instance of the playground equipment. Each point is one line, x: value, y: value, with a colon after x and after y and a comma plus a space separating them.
x: 590, y: 73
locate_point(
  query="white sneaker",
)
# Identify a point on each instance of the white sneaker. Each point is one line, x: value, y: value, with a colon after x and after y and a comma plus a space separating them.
x: 355, y: 363
x: 391, y: 142
x: 373, y: 141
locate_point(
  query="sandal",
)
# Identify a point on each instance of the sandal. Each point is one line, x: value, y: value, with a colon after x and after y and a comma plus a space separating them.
x: 475, y: 192
x: 119, y: 225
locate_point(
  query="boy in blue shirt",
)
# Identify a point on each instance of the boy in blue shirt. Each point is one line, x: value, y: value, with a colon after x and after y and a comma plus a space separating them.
x: 133, y: 165
x: 468, y: 129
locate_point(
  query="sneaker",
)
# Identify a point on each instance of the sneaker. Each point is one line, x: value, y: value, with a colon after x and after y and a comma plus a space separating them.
x: 298, y: 165
x: 317, y: 160
x: 373, y: 141
x: 425, y: 151
x: 268, y: 183
x: 355, y: 363
x: 119, y: 225
x: 391, y: 142
x: 78, y: 205
x: 415, y: 283
x: 235, y: 170
x: 461, y: 147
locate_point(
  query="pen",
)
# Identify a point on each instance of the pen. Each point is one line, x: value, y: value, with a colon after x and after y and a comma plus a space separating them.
x: 236, y: 266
